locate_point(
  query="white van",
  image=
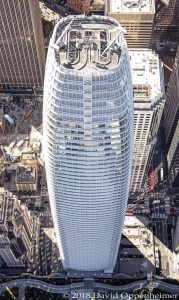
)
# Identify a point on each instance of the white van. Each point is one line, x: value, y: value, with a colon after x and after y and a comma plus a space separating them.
x: 156, y: 202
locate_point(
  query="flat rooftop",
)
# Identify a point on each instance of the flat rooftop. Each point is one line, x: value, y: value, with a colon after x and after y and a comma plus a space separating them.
x: 133, y: 221
x: 82, y: 42
x: 147, y: 75
x: 133, y: 6
x: 25, y: 175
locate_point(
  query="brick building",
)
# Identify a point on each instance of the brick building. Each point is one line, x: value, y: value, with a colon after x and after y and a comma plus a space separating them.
x: 79, y: 6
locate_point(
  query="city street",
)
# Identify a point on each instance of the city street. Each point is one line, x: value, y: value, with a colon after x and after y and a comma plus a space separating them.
x: 159, y: 221
x: 59, y: 289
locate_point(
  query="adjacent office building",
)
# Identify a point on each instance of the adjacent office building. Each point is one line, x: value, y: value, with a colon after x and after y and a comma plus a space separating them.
x: 16, y: 226
x: 173, y: 159
x: 148, y: 87
x: 171, y: 111
x: 165, y: 24
x: 22, y: 53
x: 136, y: 16
x: 88, y: 138
x: 171, y: 123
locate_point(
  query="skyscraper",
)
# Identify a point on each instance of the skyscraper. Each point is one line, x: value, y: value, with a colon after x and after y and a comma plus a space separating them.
x: 88, y: 137
x: 136, y: 16
x: 171, y: 124
x: 149, y: 99
x: 171, y: 111
x: 22, y: 53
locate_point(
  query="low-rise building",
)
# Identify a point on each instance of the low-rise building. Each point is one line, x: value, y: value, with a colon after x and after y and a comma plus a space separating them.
x: 79, y: 6
x: 26, y: 178
x: 29, y: 159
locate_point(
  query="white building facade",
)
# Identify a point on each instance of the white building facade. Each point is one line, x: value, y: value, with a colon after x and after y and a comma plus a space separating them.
x: 149, y: 100
x: 88, y: 138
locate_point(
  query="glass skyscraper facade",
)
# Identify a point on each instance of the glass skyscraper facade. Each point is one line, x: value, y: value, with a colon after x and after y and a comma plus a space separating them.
x: 88, y: 139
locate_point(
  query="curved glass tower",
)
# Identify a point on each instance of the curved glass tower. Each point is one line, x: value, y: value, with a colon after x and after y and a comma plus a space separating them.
x: 88, y: 137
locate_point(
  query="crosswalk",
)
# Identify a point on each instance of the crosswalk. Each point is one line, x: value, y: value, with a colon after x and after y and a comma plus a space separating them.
x: 146, y: 202
x: 159, y: 216
x: 167, y: 205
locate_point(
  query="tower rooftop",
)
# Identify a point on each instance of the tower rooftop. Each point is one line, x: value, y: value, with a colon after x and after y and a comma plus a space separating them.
x: 130, y: 6
x: 146, y: 75
x: 82, y: 42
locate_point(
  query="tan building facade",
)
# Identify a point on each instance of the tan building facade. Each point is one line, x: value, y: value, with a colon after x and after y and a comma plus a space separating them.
x: 136, y: 17
x: 22, y: 53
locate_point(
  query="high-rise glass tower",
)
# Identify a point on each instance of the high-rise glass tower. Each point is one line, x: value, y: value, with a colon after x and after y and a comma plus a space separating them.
x: 88, y: 137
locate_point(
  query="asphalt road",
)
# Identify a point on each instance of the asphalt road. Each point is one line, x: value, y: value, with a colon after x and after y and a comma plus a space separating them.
x: 58, y: 289
x: 40, y: 285
x: 160, y: 222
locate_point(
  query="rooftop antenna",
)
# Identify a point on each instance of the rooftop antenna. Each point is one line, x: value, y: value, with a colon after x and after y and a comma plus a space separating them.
x: 56, y: 45
x: 121, y: 30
